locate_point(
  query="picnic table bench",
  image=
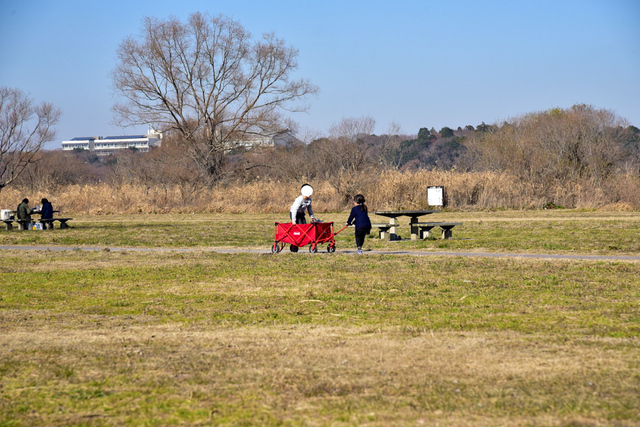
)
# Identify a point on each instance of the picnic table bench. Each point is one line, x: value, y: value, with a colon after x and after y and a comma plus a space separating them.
x: 393, y: 221
x: 22, y: 223
x: 423, y: 229
x: 47, y: 224
x: 383, y: 231
x: 419, y: 230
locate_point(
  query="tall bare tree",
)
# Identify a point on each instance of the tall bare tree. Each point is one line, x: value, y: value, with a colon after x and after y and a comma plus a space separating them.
x: 24, y: 129
x: 209, y: 82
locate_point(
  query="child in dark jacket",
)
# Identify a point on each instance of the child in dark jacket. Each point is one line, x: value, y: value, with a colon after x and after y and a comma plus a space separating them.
x: 360, y: 216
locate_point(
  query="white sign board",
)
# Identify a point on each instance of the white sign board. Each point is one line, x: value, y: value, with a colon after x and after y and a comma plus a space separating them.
x: 435, y: 196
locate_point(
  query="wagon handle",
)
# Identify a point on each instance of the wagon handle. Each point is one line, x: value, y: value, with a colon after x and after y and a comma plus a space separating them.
x: 340, y: 230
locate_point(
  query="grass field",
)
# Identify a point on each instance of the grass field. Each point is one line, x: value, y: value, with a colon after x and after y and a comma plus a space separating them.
x: 201, y: 337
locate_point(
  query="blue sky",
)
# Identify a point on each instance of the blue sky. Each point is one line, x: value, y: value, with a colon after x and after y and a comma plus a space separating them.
x: 417, y: 63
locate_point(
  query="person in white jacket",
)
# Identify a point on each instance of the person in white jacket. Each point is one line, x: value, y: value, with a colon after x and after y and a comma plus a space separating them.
x: 301, y: 204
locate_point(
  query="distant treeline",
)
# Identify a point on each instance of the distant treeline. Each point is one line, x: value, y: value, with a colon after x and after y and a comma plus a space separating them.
x: 576, y: 157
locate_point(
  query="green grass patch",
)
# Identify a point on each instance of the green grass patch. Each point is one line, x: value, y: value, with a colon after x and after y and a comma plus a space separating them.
x: 203, y: 338
x: 554, y: 231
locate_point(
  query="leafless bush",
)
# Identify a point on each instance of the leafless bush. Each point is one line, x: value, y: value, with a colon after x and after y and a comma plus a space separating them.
x: 54, y: 170
x: 554, y: 148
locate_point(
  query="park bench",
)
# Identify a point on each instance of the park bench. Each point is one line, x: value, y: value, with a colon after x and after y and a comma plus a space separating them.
x: 23, y: 224
x: 426, y: 227
x: 383, y: 231
x: 47, y: 224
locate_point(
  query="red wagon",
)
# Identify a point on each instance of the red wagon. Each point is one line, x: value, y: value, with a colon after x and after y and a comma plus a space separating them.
x: 304, y: 234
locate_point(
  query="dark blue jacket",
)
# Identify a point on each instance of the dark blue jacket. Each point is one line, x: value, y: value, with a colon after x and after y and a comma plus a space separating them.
x: 360, y: 217
x: 47, y: 211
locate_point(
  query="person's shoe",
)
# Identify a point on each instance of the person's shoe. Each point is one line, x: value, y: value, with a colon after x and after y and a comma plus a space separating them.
x: 359, y: 251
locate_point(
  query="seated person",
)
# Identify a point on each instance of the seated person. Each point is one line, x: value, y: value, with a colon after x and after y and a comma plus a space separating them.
x: 47, y: 209
x: 23, y: 211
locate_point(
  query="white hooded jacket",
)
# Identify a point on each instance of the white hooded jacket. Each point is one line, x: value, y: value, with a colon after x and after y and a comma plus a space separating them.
x: 300, y: 205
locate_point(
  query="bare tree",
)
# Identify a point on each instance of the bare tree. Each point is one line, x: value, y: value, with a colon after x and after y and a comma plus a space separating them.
x: 390, y: 142
x: 351, y: 129
x: 349, y: 147
x: 344, y: 155
x: 24, y: 129
x: 208, y: 81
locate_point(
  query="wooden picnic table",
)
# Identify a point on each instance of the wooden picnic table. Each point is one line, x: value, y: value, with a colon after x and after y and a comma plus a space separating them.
x: 47, y: 223
x: 40, y: 213
x: 414, y: 216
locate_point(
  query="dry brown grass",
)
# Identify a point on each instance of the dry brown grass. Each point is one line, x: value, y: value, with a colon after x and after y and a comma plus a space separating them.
x: 616, y: 207
x: 388, y: 190
x: 306, y: 373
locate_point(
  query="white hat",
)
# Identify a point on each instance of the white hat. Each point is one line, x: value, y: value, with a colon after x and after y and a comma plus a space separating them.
x: 306, y: 190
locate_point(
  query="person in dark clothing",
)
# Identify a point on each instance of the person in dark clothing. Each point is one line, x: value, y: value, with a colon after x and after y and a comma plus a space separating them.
x: 24, y: 211
x: 360, y: 217
x: 47, y: 209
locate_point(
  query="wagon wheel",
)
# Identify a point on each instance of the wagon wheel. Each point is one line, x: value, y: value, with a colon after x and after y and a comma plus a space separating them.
x: 276, y: 248
x: 313, y: 248
x: 331, y: 248
x: 293, y: 248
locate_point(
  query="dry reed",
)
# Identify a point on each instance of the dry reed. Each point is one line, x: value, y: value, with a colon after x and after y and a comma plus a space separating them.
x: 388, y: 190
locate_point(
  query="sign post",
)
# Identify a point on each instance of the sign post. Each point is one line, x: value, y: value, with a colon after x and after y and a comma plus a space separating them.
x: 436, y: 196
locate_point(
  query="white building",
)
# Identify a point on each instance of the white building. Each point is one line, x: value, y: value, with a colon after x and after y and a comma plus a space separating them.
x: 278, y: 139
x: 110, y: 144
